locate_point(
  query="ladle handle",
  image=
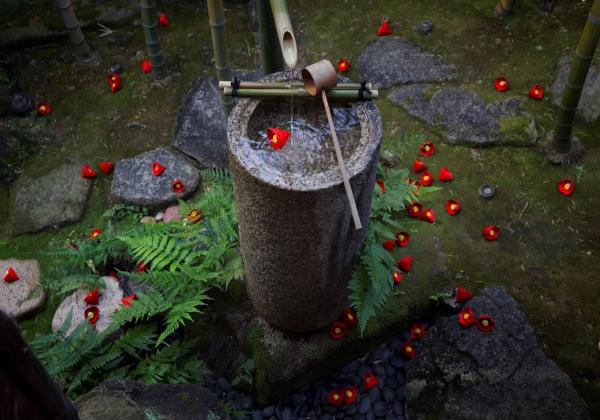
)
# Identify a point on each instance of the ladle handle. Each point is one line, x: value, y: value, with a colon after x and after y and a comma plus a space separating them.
x: 340, y: 160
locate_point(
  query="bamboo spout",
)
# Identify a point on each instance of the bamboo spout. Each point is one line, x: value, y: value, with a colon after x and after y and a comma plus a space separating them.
x: 285, y: 33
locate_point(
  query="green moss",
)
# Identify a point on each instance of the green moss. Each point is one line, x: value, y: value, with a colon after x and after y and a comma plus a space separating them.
x: 518, y: 130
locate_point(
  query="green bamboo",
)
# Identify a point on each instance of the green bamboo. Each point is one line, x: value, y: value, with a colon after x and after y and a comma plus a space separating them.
x: 577, y: 74
x: 285, y: 32
x: 504, y: 8
x: 272, y: 59
x: 216, y: 20
x: 286, y: 85
x: 277, y: 93
x: 72, y: 24
x: 155, y: 53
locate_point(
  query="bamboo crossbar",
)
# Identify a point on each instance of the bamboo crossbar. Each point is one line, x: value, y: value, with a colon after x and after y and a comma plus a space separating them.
x: 286, y: 85
x: 334, y: 93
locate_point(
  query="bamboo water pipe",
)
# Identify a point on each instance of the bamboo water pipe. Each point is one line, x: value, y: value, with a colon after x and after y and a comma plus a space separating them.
x: 286, y: 85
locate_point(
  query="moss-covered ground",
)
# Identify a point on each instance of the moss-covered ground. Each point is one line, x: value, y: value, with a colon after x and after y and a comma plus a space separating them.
x: 547, y: 253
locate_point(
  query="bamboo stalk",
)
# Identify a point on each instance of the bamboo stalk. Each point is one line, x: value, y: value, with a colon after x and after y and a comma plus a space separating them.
x: 504, y: 8
x: 72, y: 24
x: 285, y: 32
x: 297, y: 91
x: 286, y: 85
x: 272, y: 60
x: 216, y: 20
x: 577, y: 75
x: 150, y: 25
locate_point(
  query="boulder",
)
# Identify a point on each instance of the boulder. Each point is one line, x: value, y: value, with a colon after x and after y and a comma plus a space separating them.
x: 53, y: 199
x: 588, y: 109
x: 465, y: 118
x: 12, y: 294
x: 390, y: 61
x: 134, y: 183
x: 460, y: 373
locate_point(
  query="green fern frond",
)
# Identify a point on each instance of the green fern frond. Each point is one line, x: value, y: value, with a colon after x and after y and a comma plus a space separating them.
x: 180, y: 313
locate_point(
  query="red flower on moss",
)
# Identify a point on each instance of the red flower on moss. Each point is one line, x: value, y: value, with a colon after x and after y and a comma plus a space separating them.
x: 427, y: 148
x: 491, y: 232
x: 127, y: 300
x: 43, y: 108
x: 381, y: 184
x: 92, y: 314
x: 95, y: 233
x: 349, y: 318
x: 277, y: 137
x: 453, y: 207
x: 417, y: 331
x: 338, y: 330
x: 350, y: 394
x: 343, y: 65
x: 418, y: 166
x: 426, y: 179
x: 402, y: 239
x: 466, y: 317
x: 389, y: 244
x: 415, y: 209
x: 335, y: 397
x: 384, y: 29
x: 87, y: 171
x: 445, y: 175
x: 178, y: 186
x: 501, y: 84
x: 114, y: 82
x: 146, y: 65
x: 369, y: 380
x: 566, y: 186
x: 92, y: 298
x: 462, y: 294
x: 428, y: 215
x: 536, y: 92
x: 485, y: 323
x: 163, y: 19
x: 405, y: 264
x: 105, y: 167
x: 397, y: 277
x: 408, y: 350
x: 10, y: 275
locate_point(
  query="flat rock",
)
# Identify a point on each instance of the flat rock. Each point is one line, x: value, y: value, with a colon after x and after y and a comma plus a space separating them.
x: 134, y: 183
x: 459, y: 373
x: 109, y: 302
x: 589, y: 104
x: 56, y: 198
x: 11, y: 294
x: 116, y: 400
x: 465, y: 118
x: 390, y: 61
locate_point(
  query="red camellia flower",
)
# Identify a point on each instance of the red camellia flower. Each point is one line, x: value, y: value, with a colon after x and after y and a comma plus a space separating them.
x: 418, y: 166
x: 10, y: 275
x: 43, y: 108
x: 141, y: 267
x: 114, y: 82
x: 389, y: 244
x: 87, y: 171
x: 466, y: 317
x: 453, y: 207
x: 491, y: 232
x: 415, y: 209
x: 343, y: 65
x: 426, y: 178
x: 369, y: 380
x: 417, y: 331
x: 127, y: 300
x: 105, y: 167
x: 536, y: 92
x: 277, y: 137
x: 338, y: 330
x: 384, y: 29
x: 336, y: 397
x: 485, y: 323
x: 566, y: 186
x: 445, y: 175
x: 178, y: 186
x: 408, y: 350
x: 350, y: 394
x: 92, y: 298
x: 163, y: 19
x: 397, y: 277
x: 146, y: 65
x: 381, y: 184
x: 349, y: 318
x: 157, y: 168
x: 462, y: 294
x: 92, y: 314
x: 501, y: 84
x: 428, y: 215
x: 427, y: 148
x: 405, y: 264
x: 402, y: 239
x: 95, y: 232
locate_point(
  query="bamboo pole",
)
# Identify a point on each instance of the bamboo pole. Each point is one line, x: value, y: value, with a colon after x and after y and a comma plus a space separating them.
x: 272, y: 59
x: 155, y: 53
x: 504, y: 8
x: 331, y: 93
x: 285, y: 33
x: 216, y: 20
x: 286, y: 85
x: 577, y: 74
x: 67, y: 12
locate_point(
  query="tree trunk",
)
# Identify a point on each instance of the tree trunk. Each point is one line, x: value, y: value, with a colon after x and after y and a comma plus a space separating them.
x: 155, y: 53
x: 67, y: 12
x: 216, y: 20
x: 504, y: 8
x: 577, y: 74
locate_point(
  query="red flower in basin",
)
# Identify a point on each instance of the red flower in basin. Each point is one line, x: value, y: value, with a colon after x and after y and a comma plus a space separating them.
x: 485, y: 323
x: 566, y: 186
x: 349, y: 318
x: 277, y: 137
x: 402, y: 239
x: 338, y: 330
x: 417, y: 331
x: 10, y: 275
x: 369, y: 380
x: 415, y: 209
x: 92, y: 314
x: 427, y: 148
x: 405, y: 264
x: 336, y: 397
x: 491, y: 232
x: 466, y: 317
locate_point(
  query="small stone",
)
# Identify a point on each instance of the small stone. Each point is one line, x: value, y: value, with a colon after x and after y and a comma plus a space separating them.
x: 487, y: 190
x: 116, y: 68
x: 379, y: 370
x: 380, y: 382
x: 390, y: 370
x: 136, y: 124
x: 401, y: 378
x: 365, y: 405
x: 11, y: 294
x: 374, y: 394
x: 351, y: 409
x: 394, y: 344
x: 388, y: 394
x: 364, y: 370
x: 140, y: 55
x: 268, y: 411
x: 286, y: 414
x: 171, y: 213
x: 424, y: 27
x: 382, y: 354
x: 21, y: 104
x: 397, y: 408
x: 380, y: 409
x: 148, y: 219
x: 246, y: 402
x: 397, y: 361
x: 326, y: 417
x: 351, y: 367
x: 392, y: 383
x: 298, y: 399
x: 159, y: 216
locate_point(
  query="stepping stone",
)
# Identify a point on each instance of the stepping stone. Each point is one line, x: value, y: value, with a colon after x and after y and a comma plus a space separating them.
x: 465, y: 118
x: 12, y: 293
x: 589, y: 105
x: 390, y: 61
x: 53, y: 199
x: 502, y: 373
x: 110, y: 301
x: 134, y: 183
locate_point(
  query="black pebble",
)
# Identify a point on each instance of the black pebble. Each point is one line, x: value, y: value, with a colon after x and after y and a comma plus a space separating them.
x: 268, y: 411
x: 378, y: 370
x: 380, y: 409
x: 224, y: 384
x: 351, y: 367
x: 388, y: 394
x: 374, y: 394
x: 257, y: 415
x: 365, y: 405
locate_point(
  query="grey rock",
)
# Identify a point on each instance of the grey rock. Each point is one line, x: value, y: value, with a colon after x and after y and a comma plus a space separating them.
x: 121, y: 15
x: 351, y: 409
x: 12, y: 294
x: 374, y: 394
x: 390, y: 61
x: 388, y: 395
x: 588, y: 109
x: 380, y: 409
x: 56, y: 198
x: 134, y: 183
x: 460, y: 373
x: 465, y: 118
x: 365, y: 405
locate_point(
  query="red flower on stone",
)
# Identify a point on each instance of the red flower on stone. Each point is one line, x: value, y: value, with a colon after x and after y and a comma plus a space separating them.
x: 157, y: 168
x: 445, y: 175
x: 453, y: 207
x: 338, y: 330
x: 427, y: 148
x: 336, y: 397
x: 389, y: 244
x: 92, y: 314
x: 127, y: 300
x: 349, y: 318
x: 408, y: 350
x: 405, y: 264
x: 485, y: 323
x: 501, y: 84
x: 415, y: 209
x: 350, y: 394
x: 343, y: 65
x: 418, y: 166
x: 491, y: 232
x: 43, y: 108
x: 277, y: 137
x: 566, y: 186
x: 397, y: 277
x: 178, y: 186
x: 92, y: 298
x: 369, y: 380
x: 146, y: 65
x: 426, y: 178
x: 163, y: 19
x: 105, y: 167
x: 402, y: 239
x: 141, y: 267
x: 462, y: 294
x: 417, y: 331
x: 95, y: 232
x: 381, y: 184
x: 428, y: 215
x: 466, y: 317
x: 536, y: 92
x: 384, y: 29
x: 87, y: 171
x: 11, y: 275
